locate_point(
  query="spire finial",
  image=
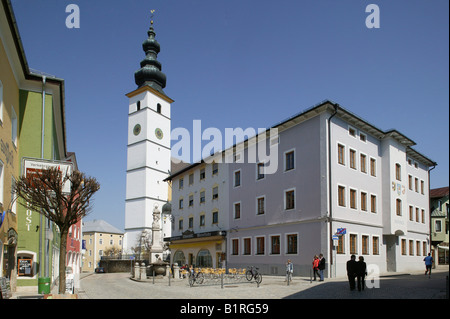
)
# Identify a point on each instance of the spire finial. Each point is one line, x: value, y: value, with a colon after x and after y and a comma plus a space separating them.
x: 152, y: 12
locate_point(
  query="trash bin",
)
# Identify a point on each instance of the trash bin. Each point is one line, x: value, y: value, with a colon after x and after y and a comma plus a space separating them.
x: 44, y: 285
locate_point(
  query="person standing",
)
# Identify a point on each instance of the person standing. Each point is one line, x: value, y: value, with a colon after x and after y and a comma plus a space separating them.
x: 289, y: 270
x: 321, y: 266
x: 361, y: 272
x: 351, y: 271
x: 428, y: 263
x: 316, y: 267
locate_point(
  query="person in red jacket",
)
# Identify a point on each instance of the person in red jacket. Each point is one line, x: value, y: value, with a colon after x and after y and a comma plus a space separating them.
x: 315, y: 264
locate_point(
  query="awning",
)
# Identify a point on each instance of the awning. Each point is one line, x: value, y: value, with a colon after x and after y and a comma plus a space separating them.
x: 442, y: 247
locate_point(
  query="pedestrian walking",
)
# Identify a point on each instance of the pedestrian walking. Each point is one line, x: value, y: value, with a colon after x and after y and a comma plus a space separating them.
x: 428, y: 263
x: 321, y: 266
x: 351, y: 272
x: 315, y: 264
x: 289, y: 270
x: 361, y: 273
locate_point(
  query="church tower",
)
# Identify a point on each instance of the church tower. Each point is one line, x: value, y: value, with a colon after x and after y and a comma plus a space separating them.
x: 148, y: 150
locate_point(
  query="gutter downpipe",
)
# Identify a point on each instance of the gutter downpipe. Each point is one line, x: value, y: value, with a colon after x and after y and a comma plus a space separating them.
x: 330, y: 203
x: 429, y: 207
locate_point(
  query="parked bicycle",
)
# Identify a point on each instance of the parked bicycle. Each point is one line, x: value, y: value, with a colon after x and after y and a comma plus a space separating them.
x: 252, y: 273
x: 195, y: 276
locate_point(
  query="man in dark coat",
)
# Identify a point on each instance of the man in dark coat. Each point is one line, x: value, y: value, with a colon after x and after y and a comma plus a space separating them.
x: 321, y: 266
x: 351, y: 271
x: 361, y: 272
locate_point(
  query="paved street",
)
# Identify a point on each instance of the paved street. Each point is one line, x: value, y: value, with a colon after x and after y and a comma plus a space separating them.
x: 399, y: 286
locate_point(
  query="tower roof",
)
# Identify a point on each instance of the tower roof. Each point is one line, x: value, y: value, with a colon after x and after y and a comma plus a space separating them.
x: 150, y: 72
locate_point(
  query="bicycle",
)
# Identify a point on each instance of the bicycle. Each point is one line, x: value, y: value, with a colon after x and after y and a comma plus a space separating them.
x: 252, y: 273
x: 196, y: 277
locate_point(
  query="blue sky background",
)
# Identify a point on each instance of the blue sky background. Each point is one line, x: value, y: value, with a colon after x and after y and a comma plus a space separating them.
x: 242, y: 64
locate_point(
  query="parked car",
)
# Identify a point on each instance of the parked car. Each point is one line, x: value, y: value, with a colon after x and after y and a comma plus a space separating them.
x: 100, y: 270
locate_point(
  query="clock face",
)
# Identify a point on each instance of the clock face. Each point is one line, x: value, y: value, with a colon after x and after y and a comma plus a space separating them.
x: 137, y: 129
x: 159, y: 133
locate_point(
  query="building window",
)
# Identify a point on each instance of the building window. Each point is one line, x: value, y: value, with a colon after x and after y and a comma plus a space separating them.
x: 340, y: 247
x: 416, y: 185
x: 411, y: 247
x: 422, y: 187
x: 215, y: 217
x: 275, y: 245
x: 438, y: 226
x: 410, y: 186
x: 215, y: 168
x: 247, y: 246
x: 260, y: 171
x: 398, y: 172
x: 237, y: 210
x: 423, y: 216
x: 375, y: 245
x: 353, y: 159
x: 235, y: 247
x: 237, y: 178
x: 364, y: 201
x: 260, y: 249
x: 353, y: 244
x: 180, y: 224
x: 373, y: 204
x: 215, y: 192
x: 353, y: 199
x: 352, y: 131
x: 180, y: 203
x: 362, y: 137
x: 202, y: 197
x: 341, y: 196
x: 290, y: 163
x: 289, y: 199
x: 180, y: 183
x: 202, y: 220
x: 292, y: 244
x: 404, y: 247
x: 341, y: 154
x: 424, y: 248
x: 365, y: 245
x: 373, y: 167
x: 411, y: 214
x: 191, y: 200
x: 363, y: 163
x: 417, y: 214
x: 191, y: 222
x: 261, y: 205
x: 191, y: 179
x: 202, y: 173
x: 398, y: 208
x: 418, y: 248
x: 13, y: 126
x: 158, y: 108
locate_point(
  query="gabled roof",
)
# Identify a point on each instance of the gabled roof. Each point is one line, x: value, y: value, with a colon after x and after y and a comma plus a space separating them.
x: 99, y: 226
x: 439, y: 192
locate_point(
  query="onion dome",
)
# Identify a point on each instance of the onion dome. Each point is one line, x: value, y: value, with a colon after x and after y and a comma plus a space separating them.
x: 150, y: 72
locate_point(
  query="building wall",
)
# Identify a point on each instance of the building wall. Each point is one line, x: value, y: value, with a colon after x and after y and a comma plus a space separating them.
x: 9, y: 168
x: 96, y: 245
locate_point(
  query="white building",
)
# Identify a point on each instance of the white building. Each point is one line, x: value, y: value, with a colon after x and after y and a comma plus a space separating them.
x: 335, y: 171
x: 148, y: 151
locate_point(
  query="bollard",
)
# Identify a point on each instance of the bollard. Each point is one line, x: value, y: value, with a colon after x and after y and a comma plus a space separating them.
x: 221, y: 280
x: 137, y: 271
x: 143, y: 272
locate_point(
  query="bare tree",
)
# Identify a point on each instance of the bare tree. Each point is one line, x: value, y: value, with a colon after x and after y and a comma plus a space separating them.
x: 44, y: 194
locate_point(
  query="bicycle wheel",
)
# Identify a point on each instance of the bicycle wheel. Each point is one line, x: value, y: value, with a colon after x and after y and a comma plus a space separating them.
x: 258, y: 278
x: 200, y: 278
x: 248, y: 275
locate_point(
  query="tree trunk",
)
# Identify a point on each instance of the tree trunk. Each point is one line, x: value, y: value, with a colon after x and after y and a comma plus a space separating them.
x: 62, y: 261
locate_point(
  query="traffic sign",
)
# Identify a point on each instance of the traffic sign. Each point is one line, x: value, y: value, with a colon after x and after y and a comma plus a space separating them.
x: 341, y: 231
x: 335, y: 237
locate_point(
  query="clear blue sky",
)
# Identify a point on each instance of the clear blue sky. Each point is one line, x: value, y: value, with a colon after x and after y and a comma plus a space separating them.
x: 242, y: 64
